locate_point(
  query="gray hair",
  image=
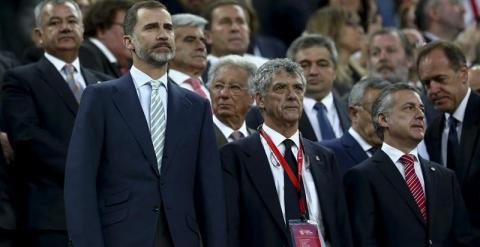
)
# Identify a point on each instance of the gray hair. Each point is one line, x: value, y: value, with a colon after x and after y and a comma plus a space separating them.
x: 312, y: 40
x: 360, y: 88
x: 265, y: 73
x: 40, y: 6
x: 234, y: 60
x: 383, y: 104
x: 188, y: 20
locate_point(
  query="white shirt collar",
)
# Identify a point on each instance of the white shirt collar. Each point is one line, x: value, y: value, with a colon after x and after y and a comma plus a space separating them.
x: 365, y: 146
x: 395, y: 154
x: 459, y: 113
x: 140, y: 78
x: 179, y: 77
x: 226, y: 130
x: 111, y: 58
x: 278, y: 138
x: 59, y: 64
x: 431, y: 36
x: 309, y: 103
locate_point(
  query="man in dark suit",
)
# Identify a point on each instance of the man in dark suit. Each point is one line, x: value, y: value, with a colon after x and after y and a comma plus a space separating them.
x: 39, y: 104
x: 360, y: 141
x: 231, y: 98
x: 141, y: 168
x: 103, y: 49
x: 396, y: 198
x: 453, y: 139
x: 261, y: 198
x: 324, y: 115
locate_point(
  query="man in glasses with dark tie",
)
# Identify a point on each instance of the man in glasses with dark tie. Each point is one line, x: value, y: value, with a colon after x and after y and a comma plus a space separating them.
x: 280, y: 186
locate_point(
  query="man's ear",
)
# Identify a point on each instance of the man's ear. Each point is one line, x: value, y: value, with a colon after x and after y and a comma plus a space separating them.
x: 128, y: 42
x: 259, y: 100
x: 352, y: 113
x: 208, y: 37
x: 382, y: 120
x: 37, y: 37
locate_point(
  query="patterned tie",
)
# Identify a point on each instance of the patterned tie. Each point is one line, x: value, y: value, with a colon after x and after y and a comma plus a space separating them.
x: 196, y: 85
x: 452, y: 144
x: 326, y: 129
x: 76, y: 88
x: 236, y: 135
x: 413, y: 183
x: 157, y: 121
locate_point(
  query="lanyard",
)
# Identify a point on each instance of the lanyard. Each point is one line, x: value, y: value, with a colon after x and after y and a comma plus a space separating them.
x: 296, y: 181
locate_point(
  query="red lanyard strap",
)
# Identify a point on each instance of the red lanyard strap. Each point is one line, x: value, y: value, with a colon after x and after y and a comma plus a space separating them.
x: 296, y: 181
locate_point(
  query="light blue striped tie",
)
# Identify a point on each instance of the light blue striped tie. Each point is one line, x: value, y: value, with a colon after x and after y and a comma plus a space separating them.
x: 157, y: 122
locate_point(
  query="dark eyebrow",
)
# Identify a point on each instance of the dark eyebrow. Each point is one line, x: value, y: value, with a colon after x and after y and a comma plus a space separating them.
x: 151, y: 25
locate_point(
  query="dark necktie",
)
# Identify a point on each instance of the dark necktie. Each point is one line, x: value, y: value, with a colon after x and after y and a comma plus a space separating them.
x: 413, y: 183
x: 292, y: 208
x: 326, y: 129
x: 236, y: 135
x: 452, y: 144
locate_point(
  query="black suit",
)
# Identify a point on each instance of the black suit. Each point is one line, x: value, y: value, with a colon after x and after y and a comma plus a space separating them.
x: 93, y: 58
x: 254, y: 214
x: 468, y: 165
x: 384, y: 213
x: 254, y: 119
x: 39, y: 110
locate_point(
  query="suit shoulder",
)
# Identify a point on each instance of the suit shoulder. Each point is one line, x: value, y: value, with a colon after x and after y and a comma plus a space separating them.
x: 435, y: 167
x: 98, y: 75
x: 318, y: 147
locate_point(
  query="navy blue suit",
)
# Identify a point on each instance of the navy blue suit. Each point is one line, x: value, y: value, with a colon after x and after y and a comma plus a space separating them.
x: 347, y: 151
x: 113, y: 190
x: 255, y: 218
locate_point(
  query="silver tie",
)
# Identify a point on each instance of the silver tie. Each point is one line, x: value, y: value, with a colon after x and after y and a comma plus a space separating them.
x: 157, y: 122
x: 76, y: 88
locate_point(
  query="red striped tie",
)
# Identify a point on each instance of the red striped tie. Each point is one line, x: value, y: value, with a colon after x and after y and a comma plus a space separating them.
x: 196, y: 85
x: 413, y: 184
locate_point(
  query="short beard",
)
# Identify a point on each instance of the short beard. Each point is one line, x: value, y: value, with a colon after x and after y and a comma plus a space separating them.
x: 153, y: 58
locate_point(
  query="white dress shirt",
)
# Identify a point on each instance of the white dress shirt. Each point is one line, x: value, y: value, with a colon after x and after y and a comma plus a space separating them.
x: 313, y: 203
x: 332, y: 115
x: 459, y: 114
x: 180, y: 77
x: 111, y: 58
x: 144, y: 91
x: 363, y: 144
x: 227, y: 131
x: 59, y: 64
x: 395, y: 155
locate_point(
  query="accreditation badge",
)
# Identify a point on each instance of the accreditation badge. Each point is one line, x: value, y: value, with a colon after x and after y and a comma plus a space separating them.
x: 304, y: 233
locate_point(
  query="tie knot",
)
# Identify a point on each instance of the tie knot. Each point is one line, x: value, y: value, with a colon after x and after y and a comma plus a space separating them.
x: 155, y: 84
x: 68, y: 68
x: 452, y: 122
x: 407, y: 160
x: 319, y: 106
x: 236, y: 135
x: 288, y: 144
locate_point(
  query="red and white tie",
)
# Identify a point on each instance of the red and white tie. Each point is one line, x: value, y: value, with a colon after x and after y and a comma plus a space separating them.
x: 196, y: 85
x: 413, y: 184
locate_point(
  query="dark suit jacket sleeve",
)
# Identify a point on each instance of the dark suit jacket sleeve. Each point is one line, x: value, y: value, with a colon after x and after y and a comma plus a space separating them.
x: 210, y: 197
x: 230, y: 161
x: 361, y: 208
x: 83, y: 222
x: 22, y: 125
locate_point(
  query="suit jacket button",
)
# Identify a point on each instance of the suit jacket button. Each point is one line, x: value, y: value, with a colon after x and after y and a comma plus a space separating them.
x: 156, y: 209
x: 430, y: 242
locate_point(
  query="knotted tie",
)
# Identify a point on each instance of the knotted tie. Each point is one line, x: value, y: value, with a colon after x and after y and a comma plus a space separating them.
x: 452, y: 144
x: 326, y: 129
x: 292, y: 208
x: 413, y: 183
x: 196, y: 85
x: 76, y: 88
x: 236, y: 135
x: 157, y: 121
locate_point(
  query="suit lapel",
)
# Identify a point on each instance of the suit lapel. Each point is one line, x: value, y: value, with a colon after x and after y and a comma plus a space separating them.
x: 89, y: 77
x: 126, y: 100
x: 389, y: 170
x: 352, y: 148
x: 178, y: 115
x: 258, y: 168
x: 321, y: 178
x: 53, y: 78
x: 434, y: 140
x: 341, y: 108
x: 430, y: 188
x: 469, y: 138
